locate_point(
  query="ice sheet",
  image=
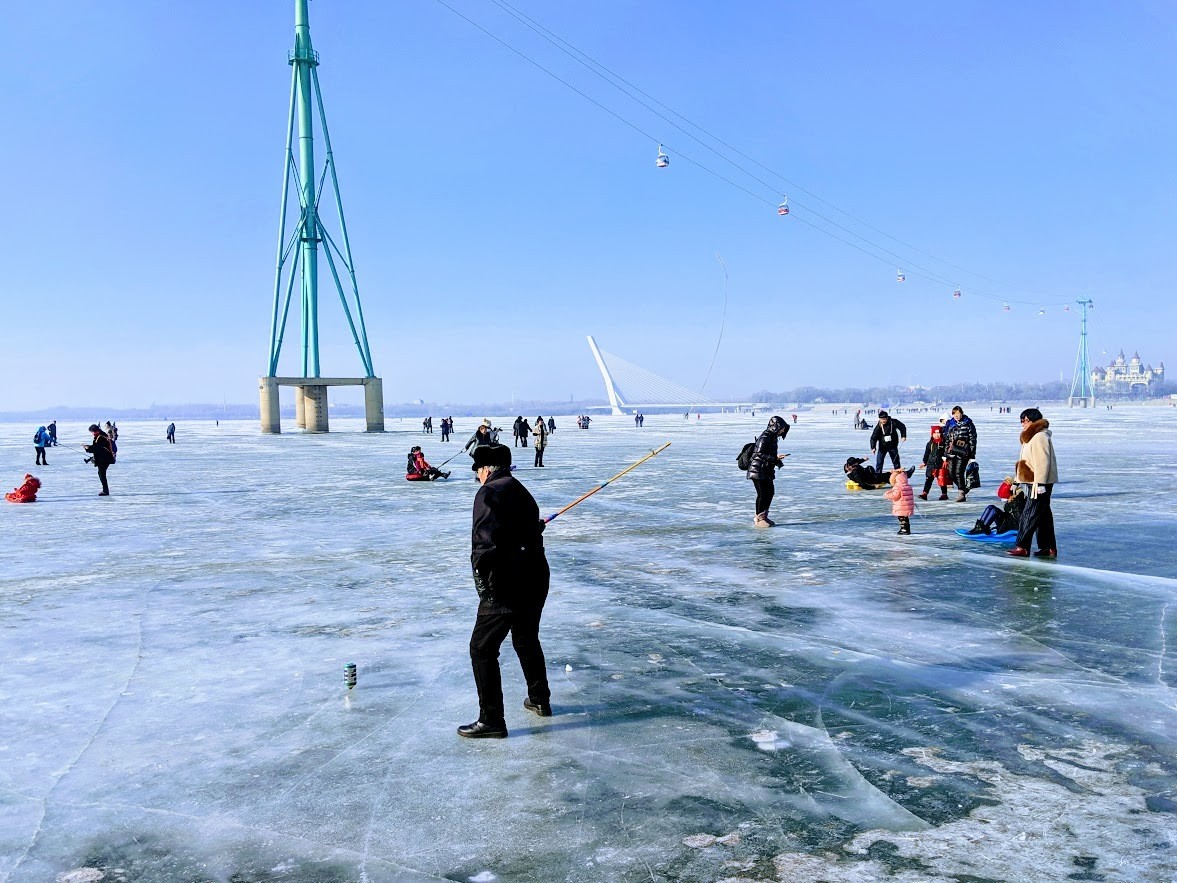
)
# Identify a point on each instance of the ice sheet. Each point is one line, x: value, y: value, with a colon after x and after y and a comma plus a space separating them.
x: 824, y: 700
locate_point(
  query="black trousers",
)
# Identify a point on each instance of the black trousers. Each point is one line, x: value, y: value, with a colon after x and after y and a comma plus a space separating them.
x: 102, y: 478
x: 1038, y: 519
x: 539, y: 456
x: 41, y: 461
x: 882, y: 454
x: 490, y: 630
x: 956, y: 467
x: 765, y: 491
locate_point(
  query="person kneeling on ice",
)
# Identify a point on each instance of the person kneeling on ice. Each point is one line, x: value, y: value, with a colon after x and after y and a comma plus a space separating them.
x: 1008, y: 517
x: 418, y: 469
x: 27, y: 492
x: 902, y: 500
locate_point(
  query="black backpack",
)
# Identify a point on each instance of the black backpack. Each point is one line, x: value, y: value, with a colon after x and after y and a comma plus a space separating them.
x: 744, y: 460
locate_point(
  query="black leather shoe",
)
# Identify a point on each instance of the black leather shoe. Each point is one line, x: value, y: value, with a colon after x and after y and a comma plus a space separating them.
x: 1046, y: 553
x: 543, y: 709
x: 479, y: 730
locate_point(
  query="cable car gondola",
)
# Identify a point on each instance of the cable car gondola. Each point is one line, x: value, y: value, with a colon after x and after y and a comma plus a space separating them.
x: 956, y: 293
x: 783, y: 208
x: 663, y: 160
x: 1005, y: 308
x: 900, y: 276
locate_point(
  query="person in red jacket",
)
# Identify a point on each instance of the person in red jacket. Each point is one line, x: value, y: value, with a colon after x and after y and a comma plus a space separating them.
x: 418, y: 468
x: 27, y: 492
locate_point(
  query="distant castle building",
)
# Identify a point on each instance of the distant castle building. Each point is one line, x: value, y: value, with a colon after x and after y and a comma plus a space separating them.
x: 1126, y: 377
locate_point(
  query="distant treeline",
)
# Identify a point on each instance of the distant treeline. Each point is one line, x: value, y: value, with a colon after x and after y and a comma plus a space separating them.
x: 899, y: 395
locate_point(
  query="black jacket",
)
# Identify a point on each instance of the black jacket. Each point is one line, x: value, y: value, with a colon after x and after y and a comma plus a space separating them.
x: 506, y: 544
x: 764, y: 457
x: 103, y: 455
x: 895, y: 429
x: 960, y: 439
x: 933, y: 455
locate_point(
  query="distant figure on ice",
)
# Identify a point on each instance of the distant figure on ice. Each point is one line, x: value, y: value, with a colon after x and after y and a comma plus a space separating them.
x: 902, y: 502
x: 933, y: 462
x: 794, y: 416
x: 1009, y: 516
x: 960, y: 446
x: 641, y: 419
x: 418, y: 468
x: 637, y: 420
x: 540, y: 431
x: 763, y: 467
x: 447, y: 427
x: 885, y: 440
x: 511, y: 576
x: 171, y: 433
x: 40, y: 440
x: 53, y: 434
x: 521, y: 431
x: 27, y: 492
x: 1037, y: 468
x: 551, y: 425
x: 112, y: 431
x: 102, y: 455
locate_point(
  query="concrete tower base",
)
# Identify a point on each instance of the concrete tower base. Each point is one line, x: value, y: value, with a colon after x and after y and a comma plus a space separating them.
x: 310, y: 401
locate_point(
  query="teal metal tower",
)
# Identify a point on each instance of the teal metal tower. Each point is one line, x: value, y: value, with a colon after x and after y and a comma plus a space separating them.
x: 298, y: 253
x: 1082, y: 393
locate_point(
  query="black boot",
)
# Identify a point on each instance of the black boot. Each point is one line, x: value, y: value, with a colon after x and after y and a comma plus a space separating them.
x: 904, y: 526
x: 978, y: 529
x: 479, y: 730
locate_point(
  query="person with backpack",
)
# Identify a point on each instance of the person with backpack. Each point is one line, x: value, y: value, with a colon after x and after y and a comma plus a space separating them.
x: 763, y: 461
x: 41, y: 440
x: 102, y: 455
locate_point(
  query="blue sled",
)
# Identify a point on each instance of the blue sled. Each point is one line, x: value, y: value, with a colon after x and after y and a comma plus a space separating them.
x: 1008, y: 537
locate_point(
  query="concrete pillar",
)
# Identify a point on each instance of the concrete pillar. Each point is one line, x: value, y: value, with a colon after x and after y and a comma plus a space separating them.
x: 374, y: 404
x: 270, y: 406
x: 300, y: 412
x: 314, y: 406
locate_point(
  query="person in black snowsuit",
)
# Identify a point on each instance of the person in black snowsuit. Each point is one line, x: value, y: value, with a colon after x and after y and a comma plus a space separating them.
x: 960, y: 446
x: 1005, y: 519
x: 933, y: 460
x: 885, y: 440
x: 864, y: 475
x: 511, y: 576
x: 171, y: 433
x: 763, y: 466
x: 102, y: 454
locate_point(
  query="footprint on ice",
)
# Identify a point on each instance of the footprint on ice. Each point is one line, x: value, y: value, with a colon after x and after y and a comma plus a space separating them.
x: 483, y: 877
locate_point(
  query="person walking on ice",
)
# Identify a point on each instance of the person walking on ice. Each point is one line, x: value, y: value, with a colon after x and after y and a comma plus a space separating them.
x: 885, y: 440
x: 511, y: 577
x: 763, y: 466
x: 171, y: 433
x: 41, y: 440
x: 101, y: 454
x: 1037, y: 468
x: 902, y: 501
x: 540, y: 431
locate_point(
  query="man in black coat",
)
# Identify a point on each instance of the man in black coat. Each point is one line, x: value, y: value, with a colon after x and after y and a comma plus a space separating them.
x: 763, y: 466
x: 511, y: 576
x: 885, y: 440
x: 102, y: 454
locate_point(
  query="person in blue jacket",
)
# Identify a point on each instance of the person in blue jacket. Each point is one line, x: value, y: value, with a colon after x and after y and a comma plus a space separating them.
x: 41, y: 440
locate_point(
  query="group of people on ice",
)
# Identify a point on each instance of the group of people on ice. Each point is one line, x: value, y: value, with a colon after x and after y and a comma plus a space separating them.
x: 949, y: 458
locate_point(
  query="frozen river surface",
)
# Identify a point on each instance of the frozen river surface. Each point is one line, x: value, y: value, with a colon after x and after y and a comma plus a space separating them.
x: 822, y: 701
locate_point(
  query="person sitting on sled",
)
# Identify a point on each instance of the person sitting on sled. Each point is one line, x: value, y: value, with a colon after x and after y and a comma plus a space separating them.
x: 865, y: 475
x: 27, y: 492
x: 418, y: 469
x: 1008, y: 517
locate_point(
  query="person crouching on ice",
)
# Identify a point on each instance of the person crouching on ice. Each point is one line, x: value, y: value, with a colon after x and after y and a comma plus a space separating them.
x: 418, y: 468
x: 1007, y: 518
x: 27, y: 492
x: 902, y: 500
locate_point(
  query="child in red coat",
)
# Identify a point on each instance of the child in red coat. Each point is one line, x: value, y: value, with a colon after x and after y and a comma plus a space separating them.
x: 902, y: 500
x: 27, y: 492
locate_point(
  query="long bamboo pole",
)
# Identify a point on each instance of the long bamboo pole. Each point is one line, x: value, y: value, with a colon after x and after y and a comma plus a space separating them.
x: 601, y: 486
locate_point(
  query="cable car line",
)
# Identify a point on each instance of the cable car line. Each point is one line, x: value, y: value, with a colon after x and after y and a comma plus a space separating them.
x: 929, y: 274
x: 591, y: 64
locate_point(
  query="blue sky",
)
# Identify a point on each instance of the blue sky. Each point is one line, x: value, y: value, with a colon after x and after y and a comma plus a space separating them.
x: 497, y: 216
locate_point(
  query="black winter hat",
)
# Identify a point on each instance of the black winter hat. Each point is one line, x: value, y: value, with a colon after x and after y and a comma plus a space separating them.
x: 491, y: 455
x: 94, y: 427
x: 776, y: 424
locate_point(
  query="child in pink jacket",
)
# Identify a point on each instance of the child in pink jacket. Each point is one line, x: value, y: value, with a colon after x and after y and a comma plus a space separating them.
x: 902, y: 500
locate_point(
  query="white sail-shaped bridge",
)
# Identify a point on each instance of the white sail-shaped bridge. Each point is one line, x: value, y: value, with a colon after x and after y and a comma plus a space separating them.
x: 630, y: 387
